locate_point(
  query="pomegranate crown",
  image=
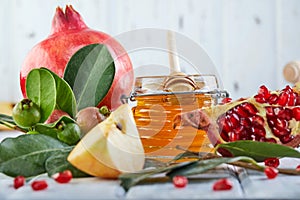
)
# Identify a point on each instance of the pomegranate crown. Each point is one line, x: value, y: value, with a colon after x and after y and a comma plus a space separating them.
x: 68, y: 20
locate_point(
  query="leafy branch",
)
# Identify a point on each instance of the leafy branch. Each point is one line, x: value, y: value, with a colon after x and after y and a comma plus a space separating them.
x: 8, y: 121
x: 246, y: 154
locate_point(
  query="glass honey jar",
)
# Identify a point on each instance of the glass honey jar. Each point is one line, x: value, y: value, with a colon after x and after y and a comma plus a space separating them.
x: 155, y: 104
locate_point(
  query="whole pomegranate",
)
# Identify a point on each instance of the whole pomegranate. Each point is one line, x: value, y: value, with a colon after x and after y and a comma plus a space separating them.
x: 69, y: 33
x: 269, y: 116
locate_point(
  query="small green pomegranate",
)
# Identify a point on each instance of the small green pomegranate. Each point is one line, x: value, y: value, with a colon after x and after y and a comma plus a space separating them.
x: 26, y: 113
x: 69, y: 133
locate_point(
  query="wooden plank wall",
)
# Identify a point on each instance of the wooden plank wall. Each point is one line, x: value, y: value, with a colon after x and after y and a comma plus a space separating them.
x: 249, y: 40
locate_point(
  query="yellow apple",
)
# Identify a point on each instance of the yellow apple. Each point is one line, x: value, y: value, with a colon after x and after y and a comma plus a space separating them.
x: 110, y: 148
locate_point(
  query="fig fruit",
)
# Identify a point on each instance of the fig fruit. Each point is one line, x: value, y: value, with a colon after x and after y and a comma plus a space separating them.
x: 88, y: 118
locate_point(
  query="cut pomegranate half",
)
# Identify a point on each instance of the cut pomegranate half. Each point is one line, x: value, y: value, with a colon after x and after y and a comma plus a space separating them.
x: 269, y: 116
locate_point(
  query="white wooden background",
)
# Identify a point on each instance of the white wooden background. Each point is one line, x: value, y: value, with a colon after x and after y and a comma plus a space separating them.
x: 249, y: 40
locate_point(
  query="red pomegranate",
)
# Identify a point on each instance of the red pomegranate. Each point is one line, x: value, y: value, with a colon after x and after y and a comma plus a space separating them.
x: 269, y: 116
x: 69, y: 33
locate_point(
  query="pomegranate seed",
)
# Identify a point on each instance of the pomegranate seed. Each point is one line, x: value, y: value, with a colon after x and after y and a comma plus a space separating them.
x: 271, y: 172
x: 226, y: 126
x: 257, y: 120
x: 224, y: 136
x: 292, y: 99
x: 264, y: 91
x: 245, y: 122
x: 180, y: 181
x: 233, y: 136
x: 269, y: 111
x: 222, y: 184
x: 262, y: 139
x: 278, y: 110
x: 280, y: 133
x: 245, y: 135
x: 260, y: 98
x: 226, y: 100
x: 270, y: 140
x: 233, y: 119
x: 286, y: 114
x: 296, y: 113
x: 63, y: 177
x: 19, y: 181
x: 298, y: 168
x: 271, y: 122
x: 39, y: 185
x: 287, y: 138
x: 251, y: 109
x: 297, y: 101
x: 241, y: 111
x: 256, y: 137
x: 283, y: 99
x: 258, y: 131
x: 273, y: 99
x: 239, y: 130
x: 272, y: 162
x: 281, y: 124
x: 288, y: 89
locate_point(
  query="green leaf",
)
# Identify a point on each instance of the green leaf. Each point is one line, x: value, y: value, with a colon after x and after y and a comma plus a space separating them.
x: 202, y: 166
x: 90, y: 73
x: 130, y: 179
x: 45, y: 129
x: 58, y: 163
x: 65, y: 99
x: 8, y: 121
x: 259, y: 151
x: 41, y: 89
x: 185, y: 168
x: 186, y: 155
x: 149, y: 162
x: 7, y: 118
x: 26, y: 154
x: 51, y: 129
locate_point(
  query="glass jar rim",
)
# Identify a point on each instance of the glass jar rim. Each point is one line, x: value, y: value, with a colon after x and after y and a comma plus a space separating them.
x: 153, y: 85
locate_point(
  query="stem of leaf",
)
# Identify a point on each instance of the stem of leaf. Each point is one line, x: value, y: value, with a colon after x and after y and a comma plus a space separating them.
x: 261, y: 168
x: 11, y: 126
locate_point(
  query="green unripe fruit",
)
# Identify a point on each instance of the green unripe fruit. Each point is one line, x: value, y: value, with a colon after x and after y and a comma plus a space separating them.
x: 69, y: 133
x: 26, y: 113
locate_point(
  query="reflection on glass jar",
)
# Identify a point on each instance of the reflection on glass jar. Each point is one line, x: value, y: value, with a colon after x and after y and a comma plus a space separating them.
x: 156, y: 106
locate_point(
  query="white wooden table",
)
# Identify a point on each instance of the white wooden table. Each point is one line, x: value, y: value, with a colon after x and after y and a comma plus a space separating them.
x: 247, y: 185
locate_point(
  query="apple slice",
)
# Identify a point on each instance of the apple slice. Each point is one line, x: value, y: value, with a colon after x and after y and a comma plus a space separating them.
x: 110, y: 148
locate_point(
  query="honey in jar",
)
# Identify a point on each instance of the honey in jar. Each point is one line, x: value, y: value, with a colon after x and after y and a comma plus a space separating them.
x: 156, y: 106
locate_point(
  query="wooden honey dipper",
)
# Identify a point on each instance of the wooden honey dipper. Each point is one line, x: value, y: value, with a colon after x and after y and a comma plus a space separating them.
x: 291, y: 72
x: 177, y: 81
